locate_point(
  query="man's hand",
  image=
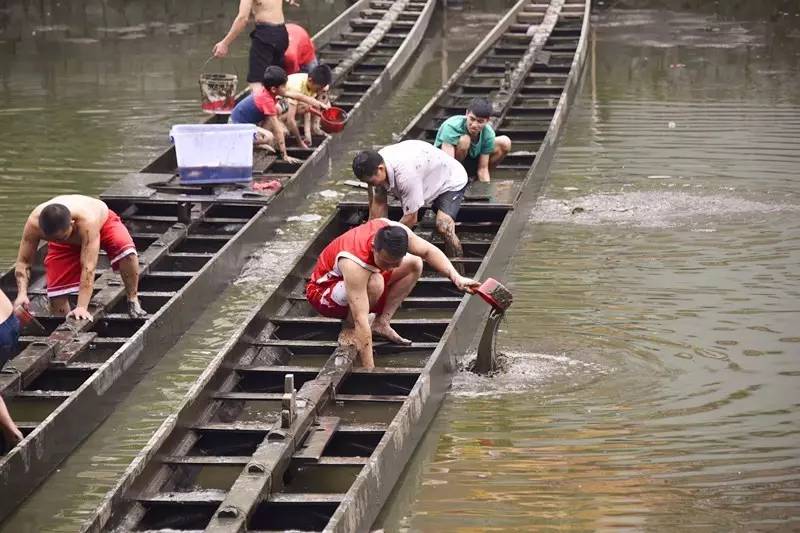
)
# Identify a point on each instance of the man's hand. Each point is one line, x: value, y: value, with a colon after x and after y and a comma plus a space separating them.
x: 22, y: 300
x: 465, y: 284
x: 220, y: 49
x: 12, y: 435
x: 321, y: 104
x: 309, y: 141
x: 80, y: 313
x: 290, y: 159
x: 304, y: 143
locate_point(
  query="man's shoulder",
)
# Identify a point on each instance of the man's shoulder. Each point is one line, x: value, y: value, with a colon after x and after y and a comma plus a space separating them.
x: 456, y: 121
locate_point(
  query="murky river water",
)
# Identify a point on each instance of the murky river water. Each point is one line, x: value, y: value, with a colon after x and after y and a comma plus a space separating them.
x: 653, y: 349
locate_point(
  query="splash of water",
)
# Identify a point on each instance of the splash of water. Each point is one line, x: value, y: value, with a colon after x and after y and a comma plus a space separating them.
x: 524, y: 371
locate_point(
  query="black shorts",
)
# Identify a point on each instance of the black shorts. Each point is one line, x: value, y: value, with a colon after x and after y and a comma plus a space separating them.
x: 449, y: 202
x: 268, y: 44
x: 470, y: 164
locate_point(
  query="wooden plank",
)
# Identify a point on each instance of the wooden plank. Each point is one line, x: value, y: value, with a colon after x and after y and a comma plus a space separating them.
x: 301, y: 498
x: 198, y: 497
x: 205, y: 460
x: 379, y: 398
x: 318, y: 437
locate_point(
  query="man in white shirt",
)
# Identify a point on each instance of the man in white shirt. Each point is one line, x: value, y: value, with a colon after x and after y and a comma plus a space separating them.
x: 416, y: 173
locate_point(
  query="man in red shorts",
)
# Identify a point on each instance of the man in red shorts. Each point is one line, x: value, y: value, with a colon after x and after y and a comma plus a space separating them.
x: 76, y: 227
x: 371, y: 269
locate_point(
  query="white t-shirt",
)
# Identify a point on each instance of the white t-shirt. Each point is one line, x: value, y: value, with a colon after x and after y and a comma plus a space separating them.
x: 418, y: 173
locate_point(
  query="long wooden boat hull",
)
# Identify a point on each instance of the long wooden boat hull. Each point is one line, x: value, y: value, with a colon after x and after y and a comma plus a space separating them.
x: 247, y: 452
x: 193, y: 241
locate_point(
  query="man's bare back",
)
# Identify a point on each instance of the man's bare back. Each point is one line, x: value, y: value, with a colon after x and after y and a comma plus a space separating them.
x: 88, y: 214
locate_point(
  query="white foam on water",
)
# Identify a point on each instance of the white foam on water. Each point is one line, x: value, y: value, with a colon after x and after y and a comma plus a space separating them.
x: 327, y: 193
x: 656, y: 209
x: 526, y: 371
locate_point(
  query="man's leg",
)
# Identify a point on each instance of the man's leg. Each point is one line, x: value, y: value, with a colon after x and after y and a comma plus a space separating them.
x: 347, y: 336
x: 402, y: 281
x: 446, y: 227
x: 129, y: 271
x: 59, y: 305
x: 462, y: 148
x: 502, y: 145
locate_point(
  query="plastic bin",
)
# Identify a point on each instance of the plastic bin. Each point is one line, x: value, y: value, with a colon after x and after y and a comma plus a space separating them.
x: 214, y: 153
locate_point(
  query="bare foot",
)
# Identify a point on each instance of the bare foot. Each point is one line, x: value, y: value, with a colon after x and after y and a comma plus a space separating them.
x: 385, y: 330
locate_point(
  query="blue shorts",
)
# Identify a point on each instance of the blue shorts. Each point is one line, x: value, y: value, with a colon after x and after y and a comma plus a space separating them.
x: 311, y: 65
x: 9, y: 335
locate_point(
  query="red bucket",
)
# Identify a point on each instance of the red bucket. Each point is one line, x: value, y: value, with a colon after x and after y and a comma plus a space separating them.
x: 333, y: 119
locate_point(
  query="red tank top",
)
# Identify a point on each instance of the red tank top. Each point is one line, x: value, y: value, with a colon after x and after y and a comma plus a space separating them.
x: 355, y: 244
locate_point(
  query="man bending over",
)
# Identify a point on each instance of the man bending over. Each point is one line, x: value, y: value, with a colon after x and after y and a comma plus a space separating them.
x: 371, y: 269
x: 416, y: 173
x: 76, y: 228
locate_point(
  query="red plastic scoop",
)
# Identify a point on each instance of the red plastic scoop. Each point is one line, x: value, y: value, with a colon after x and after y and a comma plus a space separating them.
x: 25, y: 317
x: 495, y: 294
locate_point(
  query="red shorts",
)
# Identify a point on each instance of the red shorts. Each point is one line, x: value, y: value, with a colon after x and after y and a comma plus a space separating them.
x: 63, y: 261
x: 330, y: 299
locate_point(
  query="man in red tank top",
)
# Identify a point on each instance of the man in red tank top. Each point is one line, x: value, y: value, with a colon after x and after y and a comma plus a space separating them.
x: 371, y: 269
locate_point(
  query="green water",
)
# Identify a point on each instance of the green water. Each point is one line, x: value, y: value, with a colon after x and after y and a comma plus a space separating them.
x: 653, y: 345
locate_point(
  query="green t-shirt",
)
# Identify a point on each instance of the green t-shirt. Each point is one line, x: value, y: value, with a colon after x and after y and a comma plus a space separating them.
x: 454, y: 127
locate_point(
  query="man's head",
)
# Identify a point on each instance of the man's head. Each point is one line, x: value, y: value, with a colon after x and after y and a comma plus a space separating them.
x: 478, y: 114
x: 319, y: 78
x: 369, y: 167
x: 275, y: 79
x: 389, y: 246
x: 55, y: 221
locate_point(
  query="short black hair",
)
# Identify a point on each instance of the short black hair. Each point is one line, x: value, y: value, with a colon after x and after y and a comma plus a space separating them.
x: 393, y: 239
x: 54, y: 218
x: 321, y: 75
x: 366, y: 163
x: 274, y: 76
x: 480, y: 107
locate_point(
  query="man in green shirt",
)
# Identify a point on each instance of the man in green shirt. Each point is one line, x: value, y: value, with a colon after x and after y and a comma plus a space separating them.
x: 470, y: 139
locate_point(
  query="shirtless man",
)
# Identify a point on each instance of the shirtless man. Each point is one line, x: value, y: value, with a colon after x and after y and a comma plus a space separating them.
x: 269, y: 39
x: 371, y: 269
x: 10, y: 434
x: 76, y: 227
